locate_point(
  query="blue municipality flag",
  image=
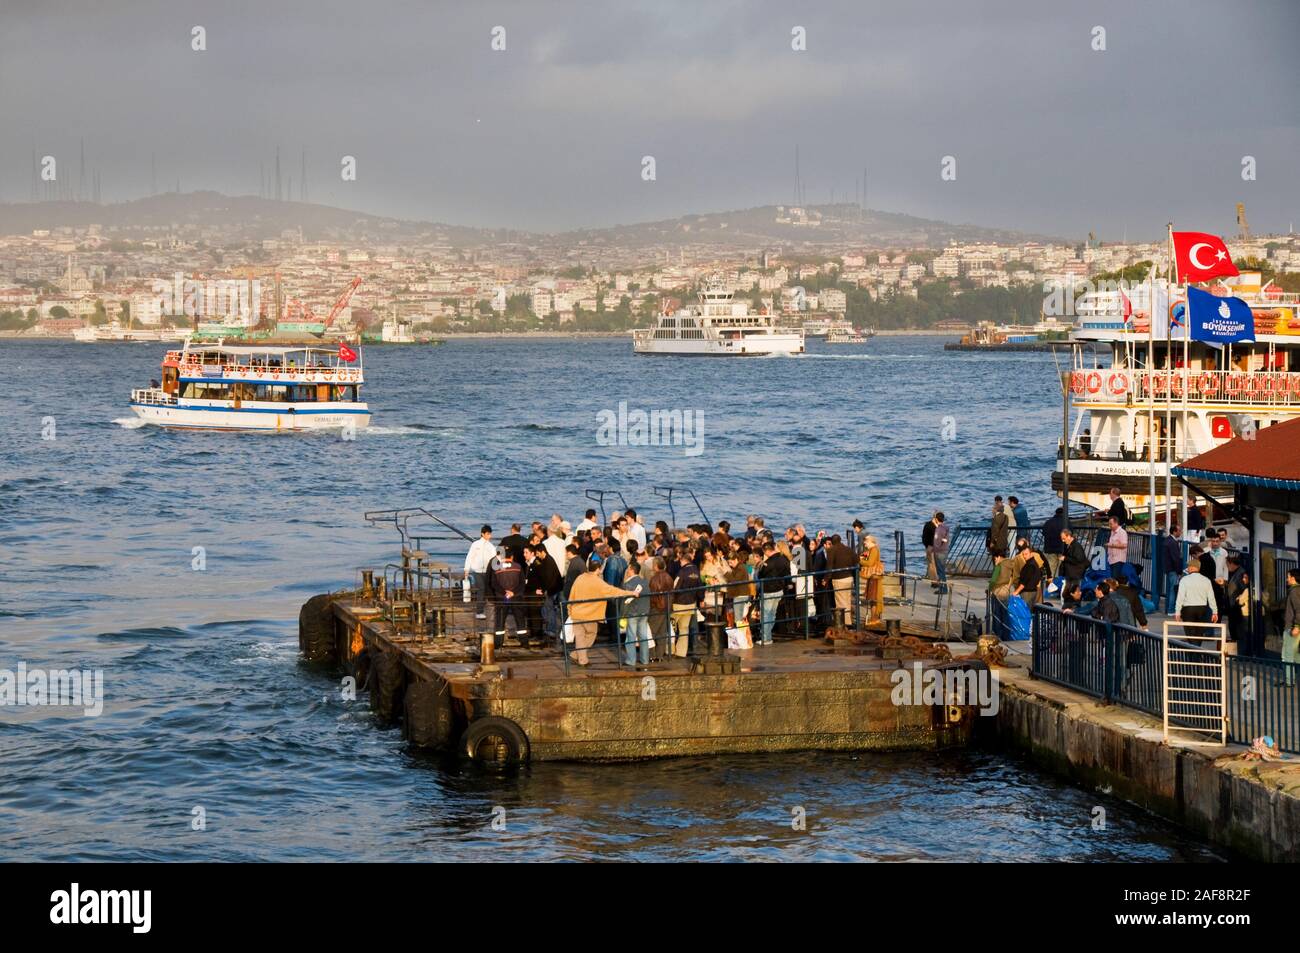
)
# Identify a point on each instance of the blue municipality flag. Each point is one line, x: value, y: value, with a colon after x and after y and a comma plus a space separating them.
x: 1219, y: 321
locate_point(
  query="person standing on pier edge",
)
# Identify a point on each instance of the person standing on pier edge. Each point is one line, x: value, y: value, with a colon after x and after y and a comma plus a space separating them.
x: 1196, y: 601
x: 1171, y: 557
x: 1291, y: 625
x: 1022, y: 527
x: 686, y: 602
x: 1030, y: 580
x: 636, y: 614
x: 574, y: 568
x: 661, y: 607
x: 927, y: 540
x: 515, y: 543
x: 587, y: 607
x: 1074, y: 563
x: 1053, y: 547
x: 939, y: 548
x: 1117, y: 508
x: 508, y: 599
x: 996, y: 541
x: 477, y: 562
x: 772, y: 575
x: 840, y: 561
x: 1117, y: 548
x: 871, y: 578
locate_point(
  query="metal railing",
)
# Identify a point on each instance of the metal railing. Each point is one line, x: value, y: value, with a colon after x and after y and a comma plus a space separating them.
x: 1123, y: 665
x: 1137, y: 386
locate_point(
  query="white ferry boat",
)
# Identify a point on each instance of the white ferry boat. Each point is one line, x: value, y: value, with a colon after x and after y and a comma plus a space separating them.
x: 718, y: 326
x: 848, y: 334
x: 256, y: 387
x: 1156, y: 408
x: 115, y: 332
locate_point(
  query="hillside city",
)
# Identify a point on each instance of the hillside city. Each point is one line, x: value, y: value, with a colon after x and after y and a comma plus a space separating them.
x: 57, y: 281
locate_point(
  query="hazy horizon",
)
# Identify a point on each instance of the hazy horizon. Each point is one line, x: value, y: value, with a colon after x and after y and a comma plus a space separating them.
x: 548, y: 135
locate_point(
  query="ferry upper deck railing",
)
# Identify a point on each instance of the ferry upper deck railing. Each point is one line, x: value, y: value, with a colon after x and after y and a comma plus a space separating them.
x: 598, y: 497
x: 1137, y: 387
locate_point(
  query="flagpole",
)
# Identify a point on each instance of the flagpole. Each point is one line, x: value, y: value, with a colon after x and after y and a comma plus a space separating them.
x: 1187, y: 357
x: 1169, y: 392
x: 1151, y: 401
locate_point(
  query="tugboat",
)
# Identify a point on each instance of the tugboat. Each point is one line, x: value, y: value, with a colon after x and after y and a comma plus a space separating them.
x: 256, y: 387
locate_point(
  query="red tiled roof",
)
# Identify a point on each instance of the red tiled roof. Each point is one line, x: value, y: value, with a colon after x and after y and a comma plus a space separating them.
x: 1270, y: 458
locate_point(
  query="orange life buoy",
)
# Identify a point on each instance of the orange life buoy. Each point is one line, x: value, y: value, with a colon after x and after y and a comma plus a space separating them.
x: 1259, y: 384
x: 1278, y: 384
x: 1176, y: 384
x: 1295, y: 383
x: 1209, y: 383
x: 1117, y: 383
x: 1094, y: 382
x: 1234, y: 384
x: 1076, y: 382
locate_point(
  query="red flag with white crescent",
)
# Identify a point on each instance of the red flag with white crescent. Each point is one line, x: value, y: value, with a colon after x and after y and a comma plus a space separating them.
x: 1201, y: 256
x: 1128, y: 306
x: 346, y: 353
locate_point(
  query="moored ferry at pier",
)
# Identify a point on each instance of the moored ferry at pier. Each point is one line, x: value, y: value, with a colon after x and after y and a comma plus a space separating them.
x: 718, y: 326
x: 256, y: 387
x: 1150, y: 411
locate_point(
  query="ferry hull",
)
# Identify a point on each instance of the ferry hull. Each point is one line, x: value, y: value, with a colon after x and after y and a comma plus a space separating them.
x: 209, y: 418
x: 766, y: 346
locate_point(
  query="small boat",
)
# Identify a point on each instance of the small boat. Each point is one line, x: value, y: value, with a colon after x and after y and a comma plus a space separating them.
x: 256, y: 387
x: 848, y: 335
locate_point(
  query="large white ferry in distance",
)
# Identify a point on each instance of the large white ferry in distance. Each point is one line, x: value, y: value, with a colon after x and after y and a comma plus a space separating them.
x: 1143, y: 406
x: 718, y: 326
x: 256, y: 387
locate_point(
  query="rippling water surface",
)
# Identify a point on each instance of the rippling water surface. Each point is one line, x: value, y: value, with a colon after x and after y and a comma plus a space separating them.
x: 207, y: 705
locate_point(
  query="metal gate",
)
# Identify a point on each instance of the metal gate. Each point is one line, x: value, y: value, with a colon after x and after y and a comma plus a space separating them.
x: 1195, y: 680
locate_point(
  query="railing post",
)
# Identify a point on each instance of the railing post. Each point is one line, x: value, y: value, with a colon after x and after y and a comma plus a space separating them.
x: 808, y: 601
x: 564, y: 615
x: 1108, y: 664
x: 619, y: 636
x: 857, y: 596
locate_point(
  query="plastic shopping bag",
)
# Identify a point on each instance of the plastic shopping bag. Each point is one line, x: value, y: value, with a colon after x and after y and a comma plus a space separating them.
x: 568, y: 631
x: 464, y: 586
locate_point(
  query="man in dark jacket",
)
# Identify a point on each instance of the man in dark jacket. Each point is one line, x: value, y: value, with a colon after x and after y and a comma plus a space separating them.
x: 840, y: 561
x: 507, y: 583
x: 996, y: 541
x: 542, y: 583
x: 772, y: 576
x: 1117, y: 508
x: 686, y: 600
x: 1074, y: 562
x: 927, y: 540
x: 1053, y: 547
x: 515, y: 544
x: 822, y: 597
x: 1173, y: 562
x: 577, y: 566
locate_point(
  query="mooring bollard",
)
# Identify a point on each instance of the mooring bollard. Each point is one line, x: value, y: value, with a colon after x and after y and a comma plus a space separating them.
x: 367, y: 584
x: 487, y: 648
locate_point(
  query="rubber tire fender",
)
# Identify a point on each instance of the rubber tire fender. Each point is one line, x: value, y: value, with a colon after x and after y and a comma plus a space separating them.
x: 514, y: 743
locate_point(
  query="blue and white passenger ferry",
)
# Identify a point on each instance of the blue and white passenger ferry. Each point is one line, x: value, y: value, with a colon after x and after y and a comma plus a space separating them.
x: 256, y: 387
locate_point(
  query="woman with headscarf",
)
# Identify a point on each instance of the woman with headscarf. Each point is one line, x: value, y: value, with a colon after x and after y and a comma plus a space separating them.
x: 873, y: 579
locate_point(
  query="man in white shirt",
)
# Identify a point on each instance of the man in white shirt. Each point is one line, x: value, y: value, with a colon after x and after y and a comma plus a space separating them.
x: 477, y: 561
x: 555, y: 544
x: 635, y: 530
x: 1196, y: 600
x: 588, y: 522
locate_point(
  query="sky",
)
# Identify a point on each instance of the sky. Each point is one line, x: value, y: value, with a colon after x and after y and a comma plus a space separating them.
x: 1048, y: 134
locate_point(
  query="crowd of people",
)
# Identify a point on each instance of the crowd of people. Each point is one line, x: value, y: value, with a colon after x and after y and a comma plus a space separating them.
x: 1210, y: 584
x: 653, y: 589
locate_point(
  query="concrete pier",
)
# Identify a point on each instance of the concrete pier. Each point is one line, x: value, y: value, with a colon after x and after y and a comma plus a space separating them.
x: 795, y: 695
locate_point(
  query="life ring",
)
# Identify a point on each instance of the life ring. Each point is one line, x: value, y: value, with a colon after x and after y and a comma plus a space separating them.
x: 327, y: 371
x: 1234, y: 384
x: 1076, y: 382
x: 1176, y: 384
x: 1295, y: 383
x: 1278, y: 384
x: 1094, y: 382
x: 1258, y: 385
x: 1117, y: 383
x: 1209, y: 383
x: 275, y: 375
x: 1162, y: 382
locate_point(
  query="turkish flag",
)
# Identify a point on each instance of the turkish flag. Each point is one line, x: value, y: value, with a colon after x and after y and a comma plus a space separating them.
x: 346, y: 353
x: 1201, y: 256
x: 1128, y: 305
